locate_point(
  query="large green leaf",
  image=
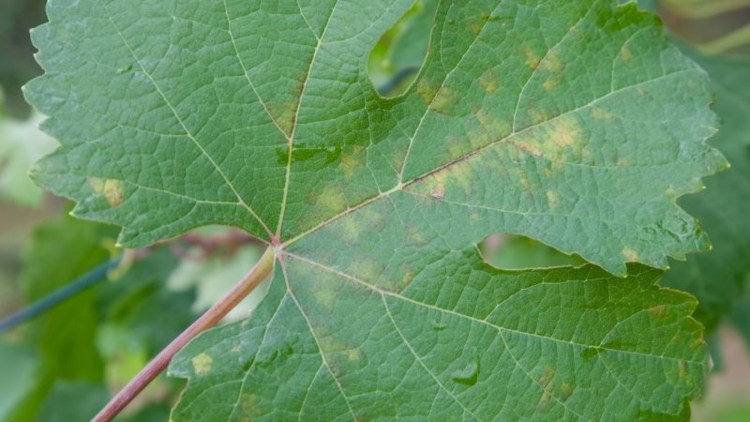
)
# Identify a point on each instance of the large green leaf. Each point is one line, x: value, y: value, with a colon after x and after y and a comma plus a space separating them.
x: 575, y: 123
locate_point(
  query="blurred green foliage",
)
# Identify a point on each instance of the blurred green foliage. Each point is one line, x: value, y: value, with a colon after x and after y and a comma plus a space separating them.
x: 17, y: 63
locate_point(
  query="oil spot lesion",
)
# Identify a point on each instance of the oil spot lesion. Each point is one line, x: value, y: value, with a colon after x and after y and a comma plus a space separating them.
x: 562, y: 139
x: 599, y: 113
x: 658, y: 311
x: 489, y: 81
x: 113, y: 190
x: 626, y: 54
x: 202, y: 364
x: 553, y: 199
x: 630, y: 254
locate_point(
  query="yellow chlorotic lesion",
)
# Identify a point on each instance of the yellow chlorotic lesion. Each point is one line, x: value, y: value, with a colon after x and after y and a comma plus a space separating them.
x: 553, y: 199
x: 202, y: 364
x: 630, y: 255
x: 331, y: 199
x: 532, y: 59
x: 626, y: 54
x: 489, y: 81
x: 351, y: 162
x: 111, y: 189
x: 444, y: 98
x: 599, y: 113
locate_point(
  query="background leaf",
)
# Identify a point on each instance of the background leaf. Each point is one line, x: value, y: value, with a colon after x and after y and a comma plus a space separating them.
x: 21, y: 144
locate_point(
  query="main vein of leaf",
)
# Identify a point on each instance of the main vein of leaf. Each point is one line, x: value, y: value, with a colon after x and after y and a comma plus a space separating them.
x: 296, y: 116
x: 403, y: 185
x: 182, y: 123
x: 494, y: 326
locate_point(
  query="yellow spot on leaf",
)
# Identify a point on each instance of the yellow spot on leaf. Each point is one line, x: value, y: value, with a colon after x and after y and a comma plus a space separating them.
x: 532, y: 59
x: 364, y: 268
x: 326, y: 297
x: 550, y: 84
x: 202, y: 364
x: 489, y: 81
x: 427, y: 90
x: 438, y: 186
x: 476, y: 27
x: 444, y: 98
x: 682, y: 368
x: 407, y: 278
x: 552, y: 63
x: 601, y: 114
x: 353, y: 161
x: 566, y: 390
x: 553, y: 199
x: 331, y: 199
x: 354, y: 355
x: 549, y: 374
x: 283, y: 114
x: 111, y: 189
x: 658, y: 311
x: 626, y: 54
x: 352, y: 230
x: 495, y: 128
x: 250, y: 409
x: 538, y: 116
x: 372, y: 218
x: 561, y: 139
x: 416, y: 237
x: 630, y: 255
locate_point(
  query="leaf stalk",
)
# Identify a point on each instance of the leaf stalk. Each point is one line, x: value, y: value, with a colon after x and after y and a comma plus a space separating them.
x: 211, y: 317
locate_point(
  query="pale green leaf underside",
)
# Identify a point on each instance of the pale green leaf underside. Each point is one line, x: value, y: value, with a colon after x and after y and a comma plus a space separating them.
x: 573, y: 123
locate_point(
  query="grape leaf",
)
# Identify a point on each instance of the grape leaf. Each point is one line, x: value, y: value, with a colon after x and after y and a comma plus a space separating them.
x: 576, y: 124
x: 561, y: 104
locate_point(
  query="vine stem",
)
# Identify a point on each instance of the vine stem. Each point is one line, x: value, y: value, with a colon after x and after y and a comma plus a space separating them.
x: 210, y: 318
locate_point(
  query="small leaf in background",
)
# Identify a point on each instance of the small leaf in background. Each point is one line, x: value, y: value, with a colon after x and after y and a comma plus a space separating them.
x: 18, y: 364
x: 719, y: 278
x: 73, y: 401
x: 95, y: 340
x: 213, y: 276
x: 21, y: 144
x: 511, y: 252
x: 397, y: 57
x: 60, y: 251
